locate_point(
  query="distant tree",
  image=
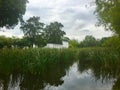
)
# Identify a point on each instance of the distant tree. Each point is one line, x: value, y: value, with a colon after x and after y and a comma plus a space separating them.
x: 108, y: 14
x: 11, y: 12
x: 53, y: 33
x: 65, y: 39
x: 31, y: 28
x: 21, y: 42
x: 113, y: 42
x: 89, y: 41
x: 103, y: 40
x: 5, y: 42
x: 73, y: 43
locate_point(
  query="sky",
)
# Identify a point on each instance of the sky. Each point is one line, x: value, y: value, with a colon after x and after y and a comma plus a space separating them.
x: 77, y: 16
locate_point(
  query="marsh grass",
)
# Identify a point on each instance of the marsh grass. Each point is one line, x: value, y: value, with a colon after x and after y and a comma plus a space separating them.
x: 40, y: 60
x: 42, y: 65
x: 35, y: 60
x: 104, y: 62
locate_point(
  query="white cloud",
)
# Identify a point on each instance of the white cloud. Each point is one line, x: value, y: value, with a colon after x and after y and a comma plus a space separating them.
x: 76, y: 16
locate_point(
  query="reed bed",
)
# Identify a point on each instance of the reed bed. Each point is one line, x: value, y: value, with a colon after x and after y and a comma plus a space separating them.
x: 40, y: 60
x: 104, y: 62
x: 34, y: 60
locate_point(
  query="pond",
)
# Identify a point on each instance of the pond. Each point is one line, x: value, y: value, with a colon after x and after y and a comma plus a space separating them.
x: 53, y: 69
x: 71, y: 78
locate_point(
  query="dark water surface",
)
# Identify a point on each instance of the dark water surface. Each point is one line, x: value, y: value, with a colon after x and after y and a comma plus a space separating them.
x: 74, y: 77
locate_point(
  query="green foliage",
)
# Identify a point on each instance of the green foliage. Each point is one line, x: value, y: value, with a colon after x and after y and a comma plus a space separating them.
x: 65, y: 39
x: 73, y: 43
x: 31, y: 28
x: 53, y: 33
x: 108, y: 13
x: 40, y: 41
x: 11, y: 11
x: 89, y: 41
x: 49, y: 65
x: 5, y: 42
x: 21, y: 42
x: 103, y: 62
x: 113, y: 42
x: 34, y: 61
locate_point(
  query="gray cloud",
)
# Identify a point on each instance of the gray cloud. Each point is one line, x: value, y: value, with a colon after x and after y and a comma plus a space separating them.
x: 76, y: 16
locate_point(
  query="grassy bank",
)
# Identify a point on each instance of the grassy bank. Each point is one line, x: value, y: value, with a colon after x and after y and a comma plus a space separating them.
x: 104, y: 62
x: 38, y: 61
x: 34, y: 61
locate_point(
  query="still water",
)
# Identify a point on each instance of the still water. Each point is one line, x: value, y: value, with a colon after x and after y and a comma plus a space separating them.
x: 59, y: 78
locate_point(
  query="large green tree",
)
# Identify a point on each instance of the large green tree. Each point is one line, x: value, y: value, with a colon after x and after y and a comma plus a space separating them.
x: 11, y: 12
x: 108, y: 13
x: 53, y: 33
x: 32, y: 28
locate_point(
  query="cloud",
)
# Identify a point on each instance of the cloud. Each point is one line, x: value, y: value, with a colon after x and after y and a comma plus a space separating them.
x: 74, y: 80
x: 76, y: 16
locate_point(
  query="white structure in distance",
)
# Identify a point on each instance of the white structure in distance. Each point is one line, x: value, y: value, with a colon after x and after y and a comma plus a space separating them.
x: 63, y: 45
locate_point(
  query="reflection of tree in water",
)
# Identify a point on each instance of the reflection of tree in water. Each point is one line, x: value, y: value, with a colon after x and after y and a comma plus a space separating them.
x: 104, y: 66
x: 116, y: 85
x: 52, y: 74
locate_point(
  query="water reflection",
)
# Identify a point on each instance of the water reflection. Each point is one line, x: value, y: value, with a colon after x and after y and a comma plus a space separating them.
x: 51, y: 74
x: 103, y: 69
x: 74, y: 80
x: 81, y: 75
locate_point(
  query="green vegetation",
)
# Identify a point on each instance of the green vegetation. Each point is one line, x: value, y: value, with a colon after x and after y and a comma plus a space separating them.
x: 53, y: 33
x: 32, y: 28
x: 40, y: 34
x: 37, y: 60
x: 48, y: 65
x: 37, y: 65
x: 104, y: 64
x: 34, y: 61
x: 108, y: 13
x: 101, y: 56
x: 11, y: 12
x: 113, y: 42
x: 73, y: 43
x: 90, y: 41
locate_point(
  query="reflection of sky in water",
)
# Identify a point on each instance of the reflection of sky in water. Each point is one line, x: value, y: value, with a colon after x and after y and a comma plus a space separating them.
x: 74, y: 80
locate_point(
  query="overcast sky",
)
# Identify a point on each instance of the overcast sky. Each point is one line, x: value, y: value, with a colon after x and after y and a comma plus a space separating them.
x: 76, y: 16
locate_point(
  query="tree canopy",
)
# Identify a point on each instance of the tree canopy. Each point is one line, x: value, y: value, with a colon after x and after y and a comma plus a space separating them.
x: 11, y: 12
x: 108, y: 13
x: 32, y: 28
x: 73, y: 43
x: 89, y: 41
x: 53, y: 33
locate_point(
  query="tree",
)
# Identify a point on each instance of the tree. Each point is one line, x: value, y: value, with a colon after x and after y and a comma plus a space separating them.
x: 31, y: 28
x: 40, y: 41
x: 108, y: 13
x: 21, y: 42
x: 89, y: 41
x: 53, y: 33
x: 113, y: 42
x: 65, y: 39
x: 5, y: 42
x: 11, y: 12
x: 73, y: 43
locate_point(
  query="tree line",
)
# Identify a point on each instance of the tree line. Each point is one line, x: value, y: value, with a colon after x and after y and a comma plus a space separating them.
x: 12, y: 11
x: 36, y: 33
x: 90, y: 41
